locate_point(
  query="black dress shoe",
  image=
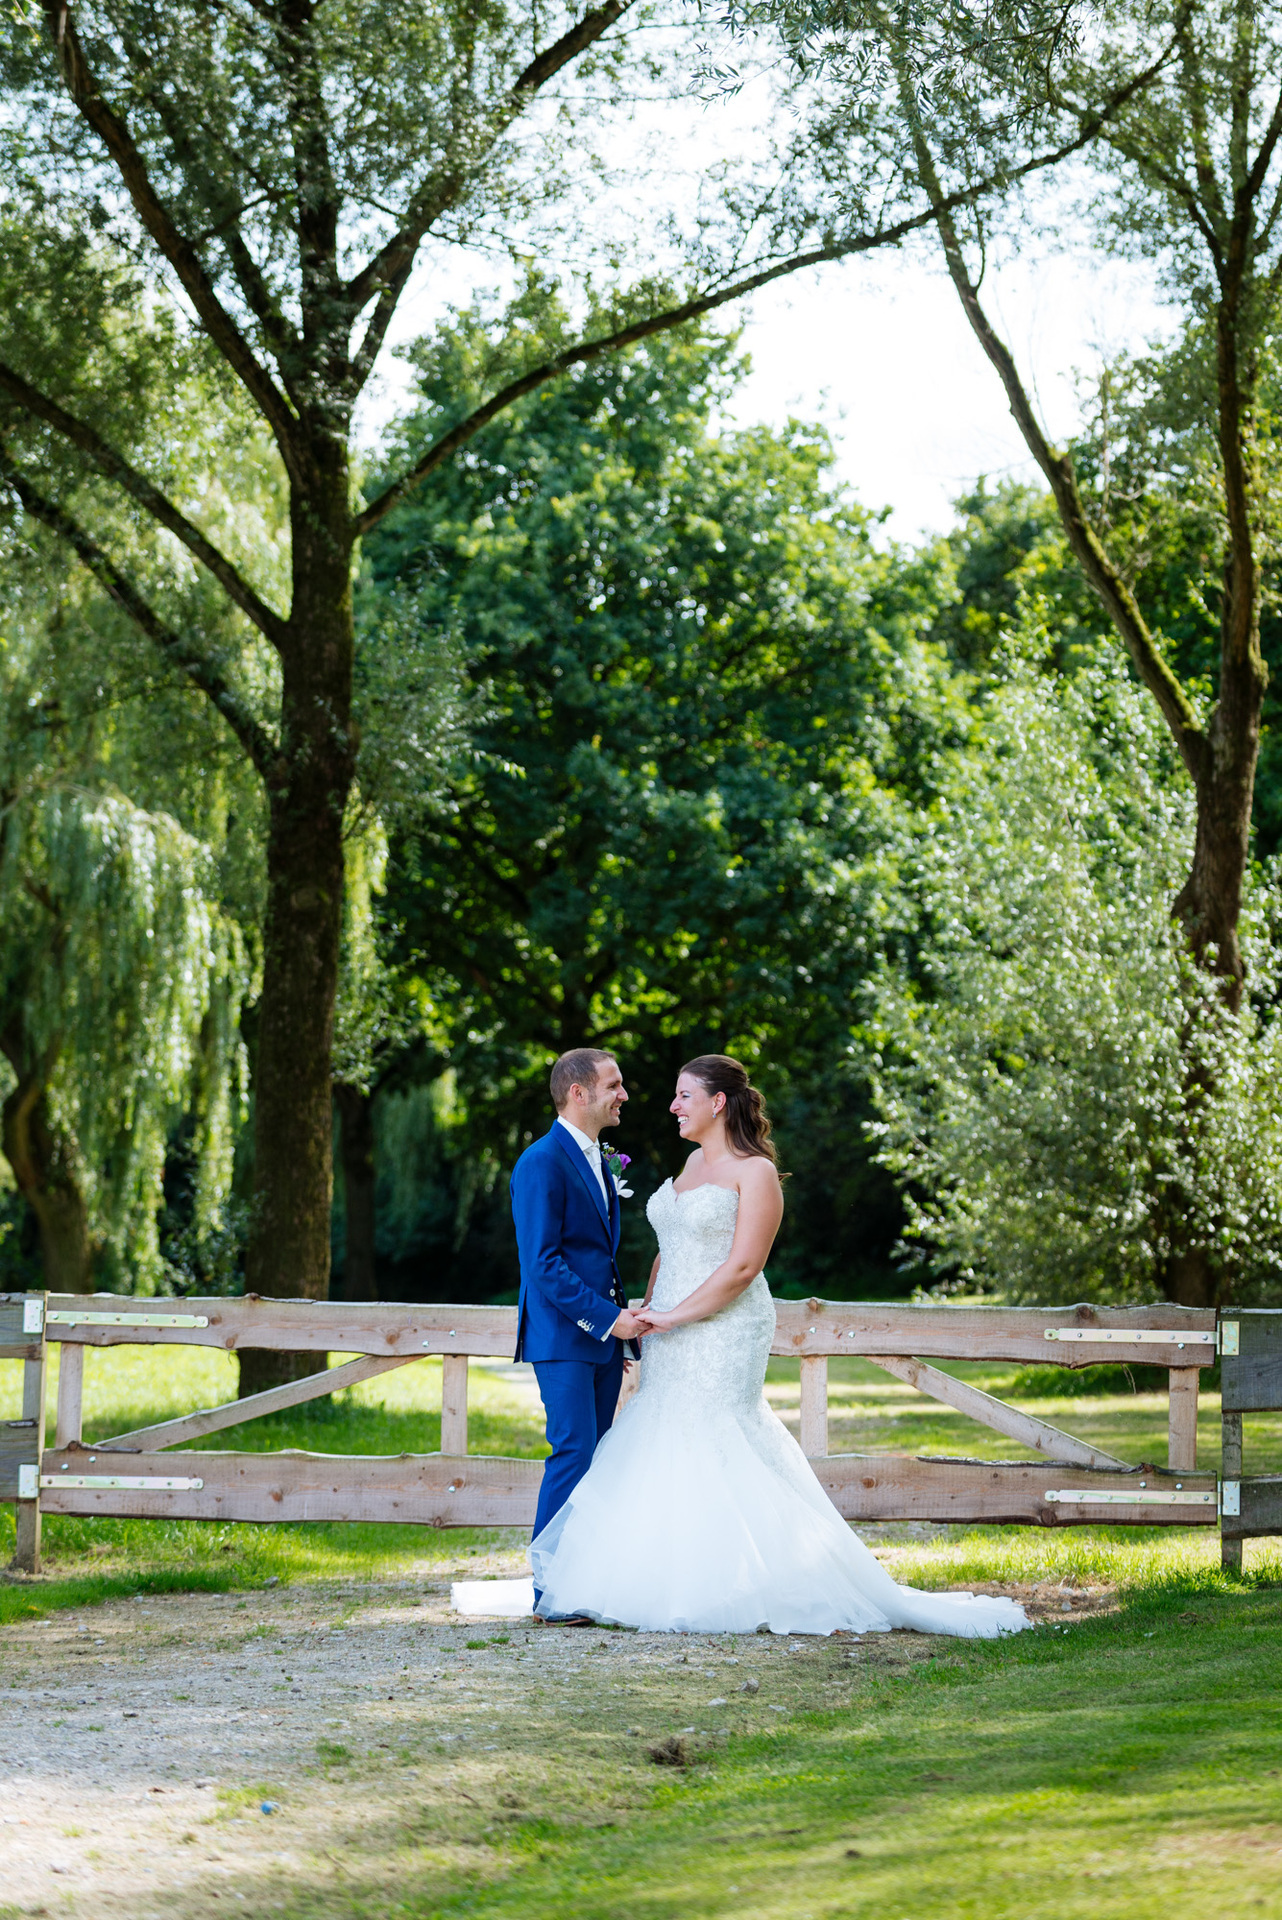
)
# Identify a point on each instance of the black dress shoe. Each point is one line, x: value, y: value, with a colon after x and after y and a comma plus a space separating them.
x: 563, y: 1620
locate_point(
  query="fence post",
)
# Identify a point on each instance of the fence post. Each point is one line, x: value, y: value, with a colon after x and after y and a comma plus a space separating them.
x: 71, y: 1376
x: 1181, y: 1449
x: 454, y: 1403
x: 26, y: 1551
x: 1230, y: 1469
x: 814, y: 1406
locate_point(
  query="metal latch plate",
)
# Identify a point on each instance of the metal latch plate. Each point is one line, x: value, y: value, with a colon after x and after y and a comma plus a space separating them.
x: 128, y: 1482
x: 1123, y: 1497
x: 33, y: 1316
x: 1231, y: 1498
x: 1229, y: 1336
x: 1133, y: 1336
x: 67, y: 1317
x: 28, y: 1482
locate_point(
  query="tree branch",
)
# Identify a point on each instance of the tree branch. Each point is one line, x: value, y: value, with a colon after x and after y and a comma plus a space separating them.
x: 252, y: 735
x: 390, y: 268
x: 1119, y: 602
x: 117, y: 468
x: 692, y: 309
x: 115, y: 136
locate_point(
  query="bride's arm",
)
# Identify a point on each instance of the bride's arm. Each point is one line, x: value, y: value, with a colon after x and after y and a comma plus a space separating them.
x: 654, y: 1274
x: 760, y: 1211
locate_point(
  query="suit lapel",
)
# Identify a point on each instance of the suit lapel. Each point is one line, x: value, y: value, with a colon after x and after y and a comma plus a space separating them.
x: 579, y: 1159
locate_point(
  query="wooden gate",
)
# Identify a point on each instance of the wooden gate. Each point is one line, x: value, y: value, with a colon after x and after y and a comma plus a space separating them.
x: 1064, y: 1482
x: 1251, y: 1382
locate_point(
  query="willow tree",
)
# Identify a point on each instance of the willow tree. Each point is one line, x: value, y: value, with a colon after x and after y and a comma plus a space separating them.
x: 121, y: 973
x: 277, y: 169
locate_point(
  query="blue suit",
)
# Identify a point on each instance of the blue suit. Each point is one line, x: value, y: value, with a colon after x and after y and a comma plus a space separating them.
x: 567, y: 1236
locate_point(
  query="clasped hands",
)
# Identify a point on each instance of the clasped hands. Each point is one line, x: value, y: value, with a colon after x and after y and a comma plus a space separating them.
x: 635, y: 1325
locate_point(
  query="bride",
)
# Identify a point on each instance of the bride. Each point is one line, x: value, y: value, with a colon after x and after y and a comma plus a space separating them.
x: 700, y: 1513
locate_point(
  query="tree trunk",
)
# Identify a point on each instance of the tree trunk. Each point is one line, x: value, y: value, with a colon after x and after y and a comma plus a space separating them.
x: 44, y: 1166
x: 356, y: 1147
x: 288, y: 1252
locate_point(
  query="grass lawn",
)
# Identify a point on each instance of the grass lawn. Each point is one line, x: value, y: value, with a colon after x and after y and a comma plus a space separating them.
x: 1128, y: 1763
x: 1129, y: 1766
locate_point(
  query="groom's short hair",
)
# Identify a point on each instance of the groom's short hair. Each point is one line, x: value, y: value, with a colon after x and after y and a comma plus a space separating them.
x: 577, y: 1068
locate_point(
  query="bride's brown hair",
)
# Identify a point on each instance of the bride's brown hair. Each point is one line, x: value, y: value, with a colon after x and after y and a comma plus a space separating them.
x: 747, y: 1125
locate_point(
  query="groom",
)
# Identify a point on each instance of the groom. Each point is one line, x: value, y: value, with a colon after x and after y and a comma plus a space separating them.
x: 573, y: 1316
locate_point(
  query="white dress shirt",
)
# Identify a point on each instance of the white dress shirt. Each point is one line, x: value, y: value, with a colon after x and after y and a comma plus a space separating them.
x: 591, y: 1150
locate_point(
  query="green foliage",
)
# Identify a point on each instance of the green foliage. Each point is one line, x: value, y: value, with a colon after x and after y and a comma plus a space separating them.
x: 1062, y: 1098
x: 693, y: 676
x: 121, y: 972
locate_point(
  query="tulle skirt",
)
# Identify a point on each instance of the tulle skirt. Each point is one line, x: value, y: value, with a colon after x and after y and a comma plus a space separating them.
x: 700, y: 1516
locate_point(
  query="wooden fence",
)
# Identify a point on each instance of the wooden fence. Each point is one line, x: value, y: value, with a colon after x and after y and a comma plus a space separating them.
x: 1065, y: 1481
x: 1251, y: 1382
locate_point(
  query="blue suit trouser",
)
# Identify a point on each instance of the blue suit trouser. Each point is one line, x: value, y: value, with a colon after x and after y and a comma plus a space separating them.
x: 579, y: 1398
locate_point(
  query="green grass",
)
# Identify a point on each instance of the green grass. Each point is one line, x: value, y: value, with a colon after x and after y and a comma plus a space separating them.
x: 1128, y: 1766
x: 1123, y: 1766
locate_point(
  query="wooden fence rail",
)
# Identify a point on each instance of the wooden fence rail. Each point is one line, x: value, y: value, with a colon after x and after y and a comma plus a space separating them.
x: 1067, y: 1482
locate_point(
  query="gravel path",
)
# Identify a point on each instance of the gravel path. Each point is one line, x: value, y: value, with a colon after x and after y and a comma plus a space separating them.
x: 142, y: 1739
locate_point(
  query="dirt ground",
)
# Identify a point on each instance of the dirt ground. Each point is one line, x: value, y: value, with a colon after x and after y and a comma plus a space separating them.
x: 193, y: 1755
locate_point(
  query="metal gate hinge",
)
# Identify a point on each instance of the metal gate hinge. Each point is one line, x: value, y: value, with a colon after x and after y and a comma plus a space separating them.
x: 1133, y: 1336
x: 33, y: 1315
x: 1123, y: 1497
x: 28, y: 1483
x: 72, y: 1317
x: 128, y: 1482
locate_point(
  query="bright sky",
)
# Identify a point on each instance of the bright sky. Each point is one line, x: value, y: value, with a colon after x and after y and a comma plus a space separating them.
x: 877, y: 348
x: 879, y: 351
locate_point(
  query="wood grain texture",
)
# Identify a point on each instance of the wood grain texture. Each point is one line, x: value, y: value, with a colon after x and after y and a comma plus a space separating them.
x: 454, y: 1404
x: 804, y: 1327
x: 71, y: 1381
x: 814, y: 1406
x: 1023, y: 1427
x: 1251, y: 1378
x: 19, y: 1447
x: 303, y: 1326
x: 1181, y: 1444
x: 871, y: 1328
x: 431, y: 1489
x: 1232, y: 1527
x: 26, y: 1550
x: 1261, y: 1507
x: 14, y: 1343
x: 234, y: 1413
x: 896, y: 1486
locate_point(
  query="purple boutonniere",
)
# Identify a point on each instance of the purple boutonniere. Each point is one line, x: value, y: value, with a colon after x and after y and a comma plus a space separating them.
x: 615, y: 1162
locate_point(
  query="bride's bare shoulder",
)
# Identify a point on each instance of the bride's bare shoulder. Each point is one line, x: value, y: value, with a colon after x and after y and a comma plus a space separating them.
x: 758, y: 1174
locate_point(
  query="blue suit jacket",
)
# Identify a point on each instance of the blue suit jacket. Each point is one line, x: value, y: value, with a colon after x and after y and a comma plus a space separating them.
x: 568, y: 1238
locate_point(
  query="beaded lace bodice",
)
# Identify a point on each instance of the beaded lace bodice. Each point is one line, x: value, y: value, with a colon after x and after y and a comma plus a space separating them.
x: 725, y: 1354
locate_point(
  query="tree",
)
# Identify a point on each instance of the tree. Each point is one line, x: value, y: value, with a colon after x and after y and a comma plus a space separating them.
x: 1032, y: 1086
x: 121, y: 972
x: 695, y: 683
x: 275, y: 170
x: 1178, y: 109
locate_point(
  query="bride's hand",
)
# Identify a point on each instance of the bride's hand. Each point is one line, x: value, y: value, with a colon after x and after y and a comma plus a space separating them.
x: 652, y: 1320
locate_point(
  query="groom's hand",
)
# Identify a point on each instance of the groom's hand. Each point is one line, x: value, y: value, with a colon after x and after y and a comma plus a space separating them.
x: 625, y: 1327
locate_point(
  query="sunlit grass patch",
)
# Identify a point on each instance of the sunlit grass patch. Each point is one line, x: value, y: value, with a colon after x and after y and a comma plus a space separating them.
x: 1126, y: 1769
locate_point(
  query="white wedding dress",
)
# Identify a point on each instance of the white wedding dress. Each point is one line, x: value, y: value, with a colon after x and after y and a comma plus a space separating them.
x: 700, y: 1513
